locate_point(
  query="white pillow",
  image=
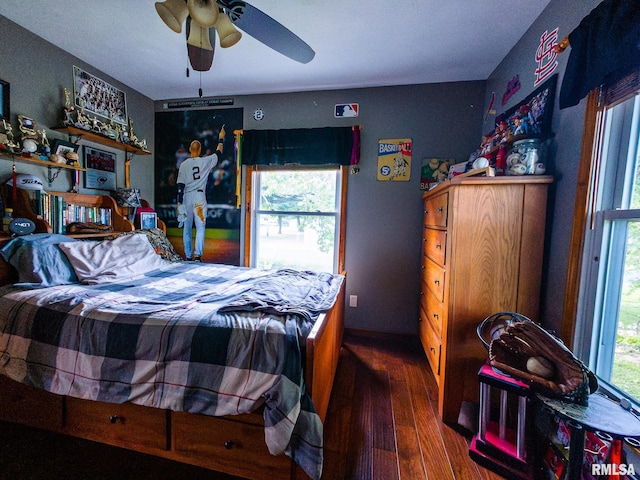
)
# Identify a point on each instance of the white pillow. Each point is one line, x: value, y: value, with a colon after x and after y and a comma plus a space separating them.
x: 110, y: 260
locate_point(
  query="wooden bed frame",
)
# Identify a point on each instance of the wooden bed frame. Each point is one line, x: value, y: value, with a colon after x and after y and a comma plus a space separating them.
x: 230, y: 444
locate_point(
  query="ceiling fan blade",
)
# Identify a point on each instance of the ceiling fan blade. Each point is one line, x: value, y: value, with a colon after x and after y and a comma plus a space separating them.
x: 267, y: 30
x: 200, y: 49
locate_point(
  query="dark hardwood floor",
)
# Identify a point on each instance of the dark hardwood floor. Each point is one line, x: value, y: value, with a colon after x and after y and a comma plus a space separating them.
x: 383, y: 414
x: 382, y: 424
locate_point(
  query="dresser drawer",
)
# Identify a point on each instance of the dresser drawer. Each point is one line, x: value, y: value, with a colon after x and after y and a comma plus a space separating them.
x: 435, y: 242
x: 433, y: 310
x: 126, y: 425
x: 434, y: 277
x: 435, y: 210
x: 230, y: 444
x: 28, y: 405
x: 432, y: 344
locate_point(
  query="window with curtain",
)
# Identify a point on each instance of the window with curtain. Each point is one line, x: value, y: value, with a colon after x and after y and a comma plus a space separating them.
x: 295, y: 190
x: 607, y: 331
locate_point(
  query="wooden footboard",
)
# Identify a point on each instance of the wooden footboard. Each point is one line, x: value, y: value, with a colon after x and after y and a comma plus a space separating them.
x: 323, y: 350
x: 232, y: 444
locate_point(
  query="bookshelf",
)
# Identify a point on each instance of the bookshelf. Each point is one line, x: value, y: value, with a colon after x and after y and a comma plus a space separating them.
x: 52, y: 211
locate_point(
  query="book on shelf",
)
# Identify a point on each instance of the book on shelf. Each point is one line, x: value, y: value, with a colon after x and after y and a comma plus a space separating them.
x: 58, y: 213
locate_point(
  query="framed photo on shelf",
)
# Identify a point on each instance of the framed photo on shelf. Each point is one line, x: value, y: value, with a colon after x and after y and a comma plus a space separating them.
x: 148, y: 220
x: 27, y: 126
x: 98, y: 97
x: 4, y: 100
x: 61, y: 147
x: 100, y: 169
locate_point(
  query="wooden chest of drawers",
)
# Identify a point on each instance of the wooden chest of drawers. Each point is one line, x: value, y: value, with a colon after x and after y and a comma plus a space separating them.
x: 482, y: 250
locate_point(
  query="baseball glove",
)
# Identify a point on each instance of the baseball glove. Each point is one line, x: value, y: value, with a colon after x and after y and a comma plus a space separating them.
x: 88, y: 227
x: 528, y: 352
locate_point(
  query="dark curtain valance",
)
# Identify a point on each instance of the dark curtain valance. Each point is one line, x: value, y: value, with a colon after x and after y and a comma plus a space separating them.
x: 302, y: 146
x: 605, y: 47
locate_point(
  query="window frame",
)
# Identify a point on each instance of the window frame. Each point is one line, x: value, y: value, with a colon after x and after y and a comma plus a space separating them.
x: 250, y: 185
x: 583, y: 219
x: 597, y: 228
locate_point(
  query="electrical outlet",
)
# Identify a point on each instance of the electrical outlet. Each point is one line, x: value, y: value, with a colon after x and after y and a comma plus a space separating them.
x: 353, y: 300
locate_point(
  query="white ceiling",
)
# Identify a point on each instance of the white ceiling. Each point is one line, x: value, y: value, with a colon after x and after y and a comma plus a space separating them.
x: 358, y: 43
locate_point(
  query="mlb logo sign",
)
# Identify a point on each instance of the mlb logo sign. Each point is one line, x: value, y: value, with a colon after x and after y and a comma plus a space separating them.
x: 346, y: 110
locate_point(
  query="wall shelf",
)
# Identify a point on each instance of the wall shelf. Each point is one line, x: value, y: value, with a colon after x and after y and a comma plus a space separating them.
x: 101, y: 139
x: 130, y: 150
x: 45, y: 163
x: 53, y: 169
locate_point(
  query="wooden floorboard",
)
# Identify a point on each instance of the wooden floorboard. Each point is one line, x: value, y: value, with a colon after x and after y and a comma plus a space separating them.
x: 432, y: 447
x: 383, y: 417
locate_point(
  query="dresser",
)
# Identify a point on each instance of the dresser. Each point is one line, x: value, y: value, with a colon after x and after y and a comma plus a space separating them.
x: 482, y: 250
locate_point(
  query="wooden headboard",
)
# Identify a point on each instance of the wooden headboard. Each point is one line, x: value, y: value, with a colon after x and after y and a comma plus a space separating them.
x: 22, y: 209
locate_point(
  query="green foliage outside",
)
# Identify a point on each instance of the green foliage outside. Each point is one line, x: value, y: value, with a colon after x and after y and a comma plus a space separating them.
x: 302, y: 191
x: 626, y: 365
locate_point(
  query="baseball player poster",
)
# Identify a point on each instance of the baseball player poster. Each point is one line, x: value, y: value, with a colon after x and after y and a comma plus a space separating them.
x: 212, y: 129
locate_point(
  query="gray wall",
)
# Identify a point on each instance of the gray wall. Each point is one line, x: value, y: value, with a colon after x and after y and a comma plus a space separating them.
x: 38, y: 72
x: 565, y: 149
x: 384, y: 219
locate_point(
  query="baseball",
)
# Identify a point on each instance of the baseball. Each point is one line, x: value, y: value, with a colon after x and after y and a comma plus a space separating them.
x: 540, y: 366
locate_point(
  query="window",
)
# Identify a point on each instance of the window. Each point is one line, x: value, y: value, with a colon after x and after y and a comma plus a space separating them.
x: 608, y: 321
x: 296, y: 218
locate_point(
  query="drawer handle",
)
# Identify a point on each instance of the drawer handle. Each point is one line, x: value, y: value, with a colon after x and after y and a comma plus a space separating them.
x: 433, y: 350
x: 439, y: 209
x: 435, y: 315
x: 438, y: 246
x: 115, y: 418
x: 228, y: 444
x: 437, y: 282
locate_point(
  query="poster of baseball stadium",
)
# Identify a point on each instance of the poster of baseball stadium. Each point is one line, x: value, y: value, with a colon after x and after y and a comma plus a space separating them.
x: 176, y: 131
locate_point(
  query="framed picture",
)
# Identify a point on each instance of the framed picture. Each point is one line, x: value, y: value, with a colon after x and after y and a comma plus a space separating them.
x: 61, y: 147
x: 27, y: 126
x: 98, y: 97
x: 100, y: 169
x: 532, y: 116
x: 4, y: 100
x: 148, y: 220
x: 433, y: 170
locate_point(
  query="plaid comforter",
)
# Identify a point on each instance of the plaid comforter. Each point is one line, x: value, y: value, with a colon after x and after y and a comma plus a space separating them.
x: 200, y: 338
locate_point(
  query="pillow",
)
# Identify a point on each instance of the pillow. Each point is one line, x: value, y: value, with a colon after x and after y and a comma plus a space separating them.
x: 39, y: 261
x: 110, y: 260
x: 159, y: 242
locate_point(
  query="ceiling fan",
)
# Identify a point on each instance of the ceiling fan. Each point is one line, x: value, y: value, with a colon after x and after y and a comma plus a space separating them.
x: 203, y: 18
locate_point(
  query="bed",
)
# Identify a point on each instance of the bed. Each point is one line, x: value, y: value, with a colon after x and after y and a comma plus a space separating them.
x: 228, y: 368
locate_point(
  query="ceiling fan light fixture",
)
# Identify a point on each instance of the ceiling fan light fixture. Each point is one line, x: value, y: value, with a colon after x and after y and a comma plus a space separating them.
x: 200, y: 46
x: 203, y: 12
x: 229, y: 35
x: 173, y: 13
x: 199, y: 37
